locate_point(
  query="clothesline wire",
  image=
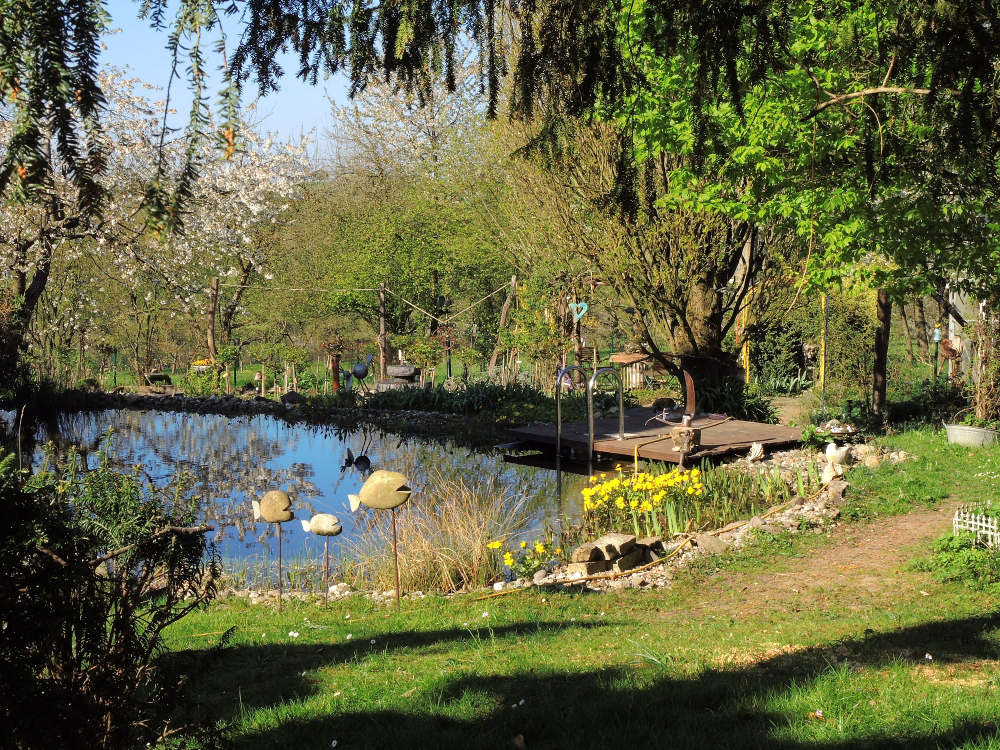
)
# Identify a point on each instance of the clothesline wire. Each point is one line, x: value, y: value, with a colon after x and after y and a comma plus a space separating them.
x: 401, y: 298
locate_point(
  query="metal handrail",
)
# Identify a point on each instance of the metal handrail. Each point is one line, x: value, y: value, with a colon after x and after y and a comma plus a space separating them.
x: 590, y: 404
x: 559, y: 379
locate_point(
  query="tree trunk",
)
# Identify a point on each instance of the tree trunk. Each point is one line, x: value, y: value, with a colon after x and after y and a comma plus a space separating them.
x: 884, y: 311
x: 213, y: 306
x: 920, y: 320
x: 383, y: 341
x: 504, y: 313
x: 906, y: 328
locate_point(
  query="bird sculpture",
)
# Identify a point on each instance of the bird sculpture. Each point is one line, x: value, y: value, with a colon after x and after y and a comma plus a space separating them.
x: 384, y: 490
x: 275, y: 507
x: 361, y: 463
x: 324, y: 525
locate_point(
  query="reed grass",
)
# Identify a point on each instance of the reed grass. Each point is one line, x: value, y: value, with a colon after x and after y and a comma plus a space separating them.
x: 442, y: 535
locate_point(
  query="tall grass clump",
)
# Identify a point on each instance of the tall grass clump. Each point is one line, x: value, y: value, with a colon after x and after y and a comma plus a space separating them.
x: 443, y: 536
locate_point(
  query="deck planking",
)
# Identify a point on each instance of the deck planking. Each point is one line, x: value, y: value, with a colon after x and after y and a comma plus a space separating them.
x: 653, y: 440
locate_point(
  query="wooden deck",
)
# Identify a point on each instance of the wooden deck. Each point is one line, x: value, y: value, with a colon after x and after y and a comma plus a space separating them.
x: 653, y: 440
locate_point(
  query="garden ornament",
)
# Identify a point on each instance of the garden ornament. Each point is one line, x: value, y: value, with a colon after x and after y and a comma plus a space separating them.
x: 384, y: 490
x: 275, y: 507
x: 324, y: 525
x: 579, y: 309
x: 363, y: 464
x: 837, y: 454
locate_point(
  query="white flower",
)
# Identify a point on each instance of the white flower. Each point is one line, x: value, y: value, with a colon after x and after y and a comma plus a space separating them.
x: 373, y: 641
x: 293, y: 634
x: 349, y: 636
x: 486, y: 614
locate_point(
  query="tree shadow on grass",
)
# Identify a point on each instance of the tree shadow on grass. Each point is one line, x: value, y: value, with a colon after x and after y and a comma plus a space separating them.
x: 616, y: 707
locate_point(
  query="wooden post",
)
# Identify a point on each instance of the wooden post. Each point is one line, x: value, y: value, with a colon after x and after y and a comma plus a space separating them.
x: 280, y: 582
x: 395, y: 555
x: 504, y: 313
x: 383, y: 343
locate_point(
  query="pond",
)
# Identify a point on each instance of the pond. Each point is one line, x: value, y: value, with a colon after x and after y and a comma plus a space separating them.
x: 232, y: 460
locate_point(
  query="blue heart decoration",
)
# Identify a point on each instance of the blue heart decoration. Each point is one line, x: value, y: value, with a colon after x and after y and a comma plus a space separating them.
x: 579, y: 309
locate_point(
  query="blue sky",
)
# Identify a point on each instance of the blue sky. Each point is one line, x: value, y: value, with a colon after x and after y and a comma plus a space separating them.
x: 297, y: 107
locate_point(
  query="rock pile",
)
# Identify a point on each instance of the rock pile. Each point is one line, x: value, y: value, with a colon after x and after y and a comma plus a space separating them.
x: 614, y: 553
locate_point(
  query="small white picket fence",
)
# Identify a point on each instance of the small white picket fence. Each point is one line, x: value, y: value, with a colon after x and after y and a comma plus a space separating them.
x: 972, y: 518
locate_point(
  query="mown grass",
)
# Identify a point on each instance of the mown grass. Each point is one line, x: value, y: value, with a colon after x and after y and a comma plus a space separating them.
x: 678, y: 668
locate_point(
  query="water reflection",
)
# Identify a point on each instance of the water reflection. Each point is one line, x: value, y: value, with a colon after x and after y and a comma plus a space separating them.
x: 233, y: 459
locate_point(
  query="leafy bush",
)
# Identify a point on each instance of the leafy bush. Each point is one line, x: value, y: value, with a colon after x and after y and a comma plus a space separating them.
x: 736, y: 399
x: 201, y: 382
x: 927, y: 402
x: 95, y: 568
x: 963, y: 559
x: 527, y: 559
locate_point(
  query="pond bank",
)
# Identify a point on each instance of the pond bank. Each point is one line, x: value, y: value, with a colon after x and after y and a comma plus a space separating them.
x: 476, y: 430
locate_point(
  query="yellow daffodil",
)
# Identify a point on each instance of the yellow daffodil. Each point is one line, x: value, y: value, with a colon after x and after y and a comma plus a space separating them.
x: 494, y: 545
x: 524, y: 545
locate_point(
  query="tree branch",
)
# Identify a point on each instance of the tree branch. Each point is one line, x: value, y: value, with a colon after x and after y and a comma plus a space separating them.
x: 841, y: 98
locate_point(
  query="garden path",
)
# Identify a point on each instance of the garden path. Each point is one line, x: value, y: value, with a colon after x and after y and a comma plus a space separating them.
x: 863, y: 566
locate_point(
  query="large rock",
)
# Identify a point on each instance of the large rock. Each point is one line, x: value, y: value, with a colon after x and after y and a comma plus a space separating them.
x: 292, y: 397
x: 588, y: 568
x: 614, y: 545
x: 586, y: 553
x: 629, y: 560
x: 710, y: 544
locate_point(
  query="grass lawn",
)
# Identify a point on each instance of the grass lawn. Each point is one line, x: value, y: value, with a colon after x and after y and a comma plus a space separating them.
x: 806, y: 641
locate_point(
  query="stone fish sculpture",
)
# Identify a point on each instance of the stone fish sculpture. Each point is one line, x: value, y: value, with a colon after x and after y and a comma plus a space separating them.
x: 324, y: 525
x: 384, y: 490
x: 275, y: 507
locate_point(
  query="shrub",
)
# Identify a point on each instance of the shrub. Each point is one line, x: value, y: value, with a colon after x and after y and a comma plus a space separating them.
x: 963, y: 559
x: 736, y: 399
x: 95, y: 567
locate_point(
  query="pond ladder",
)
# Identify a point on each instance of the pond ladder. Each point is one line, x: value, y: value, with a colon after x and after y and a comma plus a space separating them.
x: 591, y: 384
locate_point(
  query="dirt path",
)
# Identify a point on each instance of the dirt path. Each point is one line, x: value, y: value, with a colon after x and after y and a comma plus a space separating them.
x: 863, y: 566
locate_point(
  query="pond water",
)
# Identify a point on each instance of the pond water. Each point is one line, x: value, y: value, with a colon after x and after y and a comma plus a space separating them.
x: 235, y: 459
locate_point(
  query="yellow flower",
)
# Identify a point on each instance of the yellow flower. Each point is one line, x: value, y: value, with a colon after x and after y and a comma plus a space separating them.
x: 620, y: 503
x: 539, y: 548
x: 524, y: 545
x: 508, y: 560
x: 587, y: 505
x: 633, y: 504
x: 558, y: 550
x: 690, y: 490
x: 494, y: 545
x: 699, y: 491
x: 646, y: 506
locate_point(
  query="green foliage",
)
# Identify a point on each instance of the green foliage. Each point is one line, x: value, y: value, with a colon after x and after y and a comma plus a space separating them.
x: 470, y: 398
x: 961, y: 558
x: 201, y: 382
x: 527, y: 558
x: 96, y: 567
x: 736, y: 399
